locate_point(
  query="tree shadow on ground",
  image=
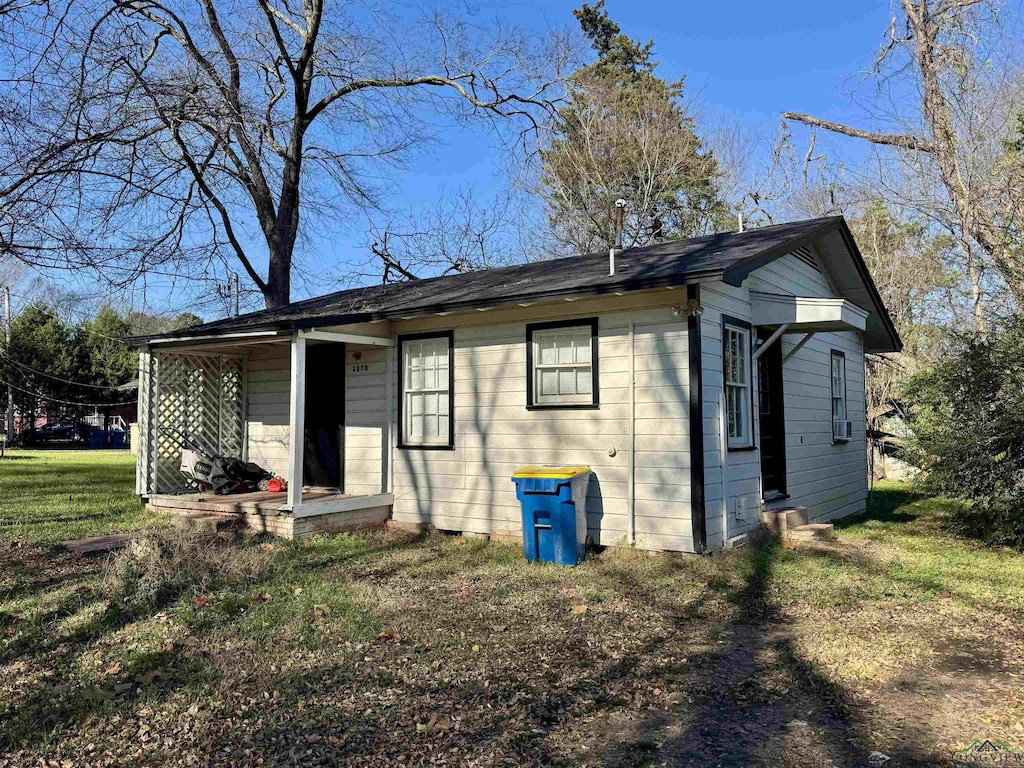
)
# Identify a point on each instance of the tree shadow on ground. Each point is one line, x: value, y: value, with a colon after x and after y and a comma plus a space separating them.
x: 552, y: 697
x: 885, y: 505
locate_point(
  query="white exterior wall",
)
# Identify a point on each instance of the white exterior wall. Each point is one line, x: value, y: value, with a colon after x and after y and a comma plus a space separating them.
x: 366, y: 418
x: 829, y: 479
x: 267, y: 407
x: 470, y: 488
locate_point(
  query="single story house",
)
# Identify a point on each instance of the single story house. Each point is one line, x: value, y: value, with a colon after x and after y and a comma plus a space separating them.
x: 703, y: 380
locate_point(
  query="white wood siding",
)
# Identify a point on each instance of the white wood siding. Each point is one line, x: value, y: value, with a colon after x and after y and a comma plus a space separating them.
x: 732, y: 485
x: 829, y: 479
x: 366, y: 418
x: 267, y: 407
x: 470, y: 488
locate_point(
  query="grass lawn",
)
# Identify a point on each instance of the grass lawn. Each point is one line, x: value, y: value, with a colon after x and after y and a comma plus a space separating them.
x: 64, y: 494
x: 396, y: 650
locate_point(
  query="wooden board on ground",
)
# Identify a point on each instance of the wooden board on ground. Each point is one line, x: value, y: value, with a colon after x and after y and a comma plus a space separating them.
x: 96, y: 544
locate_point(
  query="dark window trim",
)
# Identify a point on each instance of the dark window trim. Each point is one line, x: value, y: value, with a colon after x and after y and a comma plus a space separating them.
x: 695, y: 363
x: 400, y: 347
x: 595, y: 388
x: 745, y: 325
x: 846, y: 401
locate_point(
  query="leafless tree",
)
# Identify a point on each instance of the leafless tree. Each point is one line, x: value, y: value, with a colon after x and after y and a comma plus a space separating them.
x: 463, y: 232
x: 193, y: 133
x: 952, y: 130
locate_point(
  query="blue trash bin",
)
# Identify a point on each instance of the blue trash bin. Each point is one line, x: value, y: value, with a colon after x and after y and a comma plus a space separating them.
x: 553, y: 502
x: 96, y: 437
x: 117, y: 438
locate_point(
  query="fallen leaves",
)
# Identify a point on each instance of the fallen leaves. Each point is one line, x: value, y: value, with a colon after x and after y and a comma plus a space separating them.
x: 202, y: 600
x: 320, y: 610
x: 579, y: 610
x: 389, y: 636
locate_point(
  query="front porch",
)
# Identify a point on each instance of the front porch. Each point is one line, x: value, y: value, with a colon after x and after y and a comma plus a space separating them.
x: 246, y: 397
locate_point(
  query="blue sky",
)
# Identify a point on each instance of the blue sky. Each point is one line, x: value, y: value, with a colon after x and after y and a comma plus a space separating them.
x: 745, y: 61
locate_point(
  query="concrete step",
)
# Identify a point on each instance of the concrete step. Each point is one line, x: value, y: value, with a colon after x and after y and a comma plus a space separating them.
x: 785, y: 519
x: 811, y: 532
x: 211, y: 521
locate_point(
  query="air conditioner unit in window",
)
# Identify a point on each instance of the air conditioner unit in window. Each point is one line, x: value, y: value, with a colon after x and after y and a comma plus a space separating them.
x: 842, y: 430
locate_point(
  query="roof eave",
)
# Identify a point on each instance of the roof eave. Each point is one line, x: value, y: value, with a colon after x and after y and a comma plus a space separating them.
x: 303, y: 323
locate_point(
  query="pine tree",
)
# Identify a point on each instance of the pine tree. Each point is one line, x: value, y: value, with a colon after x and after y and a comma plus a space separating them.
x: 625, y: 133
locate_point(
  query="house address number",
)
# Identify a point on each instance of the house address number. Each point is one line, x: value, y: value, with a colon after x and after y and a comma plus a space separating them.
x: 360, y: 368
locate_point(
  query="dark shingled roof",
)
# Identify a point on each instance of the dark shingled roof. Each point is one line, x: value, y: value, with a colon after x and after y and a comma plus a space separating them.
x: 728, y: 256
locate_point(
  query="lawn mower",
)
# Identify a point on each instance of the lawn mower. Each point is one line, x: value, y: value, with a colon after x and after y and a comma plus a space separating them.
x: 213, y: 472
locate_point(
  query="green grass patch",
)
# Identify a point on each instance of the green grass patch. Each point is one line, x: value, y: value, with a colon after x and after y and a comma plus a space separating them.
x: 262, y: 651
x: 55, y: 495
x: 900, y: 549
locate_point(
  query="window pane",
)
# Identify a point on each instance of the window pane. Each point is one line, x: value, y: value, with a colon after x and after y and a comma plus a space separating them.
x: 584, y: 380
x: 582, y: 349
x: 549, y: 382
x: 547, y: 352
x: 566, y: 381
x: 415, y: 404
x: 741, y: 360
x: 442, y: 426
x: 565, y: 349
x: 429, y: 378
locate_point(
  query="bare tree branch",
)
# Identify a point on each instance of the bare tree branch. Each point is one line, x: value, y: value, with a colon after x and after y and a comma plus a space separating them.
x: 903, y: 141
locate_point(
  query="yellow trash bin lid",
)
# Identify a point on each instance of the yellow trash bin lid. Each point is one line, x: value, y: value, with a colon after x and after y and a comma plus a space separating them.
x: 543, y: 470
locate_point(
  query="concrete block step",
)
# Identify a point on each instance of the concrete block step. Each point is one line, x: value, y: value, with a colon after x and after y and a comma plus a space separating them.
x: 787, y: 518
x: 811, y: 532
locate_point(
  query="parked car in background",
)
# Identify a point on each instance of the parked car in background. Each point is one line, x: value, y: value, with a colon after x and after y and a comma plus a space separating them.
x: 57, y: 432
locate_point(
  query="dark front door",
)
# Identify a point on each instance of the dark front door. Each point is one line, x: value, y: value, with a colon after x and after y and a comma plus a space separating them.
x: 772, y: 418
x: 325, y: 415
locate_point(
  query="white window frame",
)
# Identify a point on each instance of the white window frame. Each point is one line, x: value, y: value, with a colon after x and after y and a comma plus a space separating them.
x: 442, y: 387
x: 575, y: 330
x: 738, y: 408
x: 839, y: 406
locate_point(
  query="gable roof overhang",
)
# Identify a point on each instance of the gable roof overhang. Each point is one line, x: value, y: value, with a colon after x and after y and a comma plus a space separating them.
x: 727, y: 256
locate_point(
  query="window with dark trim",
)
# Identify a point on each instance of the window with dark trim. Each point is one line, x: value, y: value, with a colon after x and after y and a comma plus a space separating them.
x: 841, y: 427
x: 561, y: 364
x: 426, y: 390
x: 736, y: 368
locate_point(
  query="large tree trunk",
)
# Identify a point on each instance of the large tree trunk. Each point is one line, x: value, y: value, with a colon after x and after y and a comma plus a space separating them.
x: 277, y: 292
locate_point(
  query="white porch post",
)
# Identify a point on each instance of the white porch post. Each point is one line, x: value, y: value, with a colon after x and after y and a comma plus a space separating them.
x: 297, y: 420
x: 388, y: 484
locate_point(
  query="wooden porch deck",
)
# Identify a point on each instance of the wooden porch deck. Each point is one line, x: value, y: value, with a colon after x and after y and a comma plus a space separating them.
x: 238, y: 503
x: 323, y: 510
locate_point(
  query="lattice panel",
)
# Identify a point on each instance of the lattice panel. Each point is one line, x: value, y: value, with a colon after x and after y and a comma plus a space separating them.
x: 204, y: 397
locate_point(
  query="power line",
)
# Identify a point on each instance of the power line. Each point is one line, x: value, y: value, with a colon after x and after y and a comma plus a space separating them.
x: 50, y: 399
x: 55, y: 378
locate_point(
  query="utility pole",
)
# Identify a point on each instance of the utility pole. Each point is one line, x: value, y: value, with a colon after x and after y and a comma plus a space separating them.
x: 234, y: 290
x: 7, y: 353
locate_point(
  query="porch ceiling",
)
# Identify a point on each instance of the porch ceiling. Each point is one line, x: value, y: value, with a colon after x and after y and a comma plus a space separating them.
x: 806, y: 314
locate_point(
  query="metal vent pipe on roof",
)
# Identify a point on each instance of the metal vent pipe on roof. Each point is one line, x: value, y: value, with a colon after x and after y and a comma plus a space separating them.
x: 617, y: 214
